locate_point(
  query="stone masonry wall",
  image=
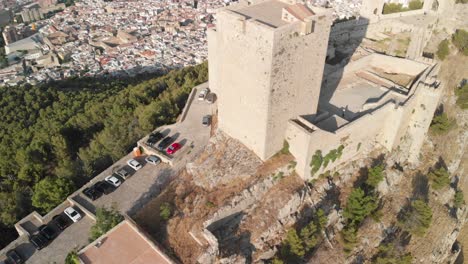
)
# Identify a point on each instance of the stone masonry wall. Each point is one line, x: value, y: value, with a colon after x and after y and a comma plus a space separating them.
x: 243, y: 68
x: 393, y: 126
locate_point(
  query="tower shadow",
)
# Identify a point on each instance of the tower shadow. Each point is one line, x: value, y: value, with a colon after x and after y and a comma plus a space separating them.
x: 345, y: 38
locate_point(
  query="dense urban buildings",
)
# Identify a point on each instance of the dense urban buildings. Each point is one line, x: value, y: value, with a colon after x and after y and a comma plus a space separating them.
x: 100, y: 38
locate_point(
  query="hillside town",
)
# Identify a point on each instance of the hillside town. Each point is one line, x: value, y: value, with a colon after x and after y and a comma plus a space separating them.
x: 114, y: 38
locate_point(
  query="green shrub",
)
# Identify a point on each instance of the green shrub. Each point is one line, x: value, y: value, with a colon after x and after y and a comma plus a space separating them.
x: 316, y: 162
x: 390, y: 8
x: 462, y: 96
x: 285, y: 149
x: 209, y: 204
x: 441, y: 124
x: 416, y: 218
x: 460, y: 40
x: 458, y: 199
x: 72, y: 258
x: 339, y: 151
x: 165, y: 211
x: 440, y: 178
x: 461, y: 1
x: 443, y: 49
x: 350, y: 239
x: 278, y: 176
x: 415, y: 5
x: 277, y: 261
x: 389, y: 254
x: 321, y: 219
x: 106, y: 219
x: 375, y: 176
x: 292, y: 246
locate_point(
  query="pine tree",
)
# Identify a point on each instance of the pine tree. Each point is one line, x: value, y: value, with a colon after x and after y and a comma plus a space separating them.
x: 440, y: 178
x: 350, y: 239
x: 359, y: 206
x: 309, y: 236
x: 417, y: 218
x: 375, y: 176
x: 293, y: 247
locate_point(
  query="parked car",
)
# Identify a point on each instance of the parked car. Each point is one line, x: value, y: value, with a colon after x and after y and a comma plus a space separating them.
x: 48, y: 232
x: 164, y: 143
x: 113, y: 180
x: 172, y: 149
x: 38, y: 241
x: 61, y: 221
x: 210, y: 98
x: 92, y: 193
x: 153, y: 159
x: 104, y: 187
x: 134, y: 164
x: 124, y: 173
x: 153, y: 138
x: 206, y: 120
x: 14, y: 257
x: 203, y: 94
x: 73, y: 214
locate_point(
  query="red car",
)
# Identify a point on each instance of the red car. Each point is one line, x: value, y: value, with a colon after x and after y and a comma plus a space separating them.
x: 173, y: 148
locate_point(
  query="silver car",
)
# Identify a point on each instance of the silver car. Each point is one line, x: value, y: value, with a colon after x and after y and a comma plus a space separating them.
x: 153, y: 159
x: 134, y: 164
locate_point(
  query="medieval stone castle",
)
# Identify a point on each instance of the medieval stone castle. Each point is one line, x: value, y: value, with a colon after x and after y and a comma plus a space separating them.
x: 267, y: 65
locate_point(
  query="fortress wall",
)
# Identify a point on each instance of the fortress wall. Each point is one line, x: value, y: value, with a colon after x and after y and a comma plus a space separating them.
x: 394, y: 126
x: 244, y: 68
x: 416, y: 115
x: 359, y: 136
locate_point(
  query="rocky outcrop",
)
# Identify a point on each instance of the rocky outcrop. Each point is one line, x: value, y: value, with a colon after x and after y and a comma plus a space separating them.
x: 224, y: 160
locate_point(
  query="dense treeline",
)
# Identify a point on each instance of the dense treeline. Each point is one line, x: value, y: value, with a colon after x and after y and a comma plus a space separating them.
x: 55, y: 137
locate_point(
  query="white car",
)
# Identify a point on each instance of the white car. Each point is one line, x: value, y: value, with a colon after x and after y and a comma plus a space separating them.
x: 203, y: 94
x: 73, y: 214
x: 153, y: 159
x: 134, y: 164
x: 113, y: 180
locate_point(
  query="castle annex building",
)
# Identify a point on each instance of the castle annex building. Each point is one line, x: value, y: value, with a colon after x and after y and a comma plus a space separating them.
x: 267, y: 66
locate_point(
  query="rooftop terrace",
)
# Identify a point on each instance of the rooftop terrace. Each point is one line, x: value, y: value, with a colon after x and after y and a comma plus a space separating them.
x: 271, y: 12
x: 368, y: 83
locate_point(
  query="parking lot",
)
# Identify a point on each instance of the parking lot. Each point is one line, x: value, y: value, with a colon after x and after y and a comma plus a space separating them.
x: 74, y: 237
x: 190, y: 132
x: 132, y: 194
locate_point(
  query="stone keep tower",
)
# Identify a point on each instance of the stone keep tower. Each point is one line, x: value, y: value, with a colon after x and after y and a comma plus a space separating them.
x: 266, y: 60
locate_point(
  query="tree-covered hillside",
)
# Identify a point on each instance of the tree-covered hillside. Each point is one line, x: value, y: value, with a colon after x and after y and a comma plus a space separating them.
x: 55, y: 137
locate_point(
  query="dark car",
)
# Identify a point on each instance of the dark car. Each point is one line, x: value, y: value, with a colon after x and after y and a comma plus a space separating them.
x: 92, y: 193
x: 123, y: 173
x: 38, y: 241
x: 164, y: 144
x: 48, y: 232
x: 14, y: 257
x: 153, y: 138
x: 61, y: 221
x: 206, y: 120
x: 104, y: 187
